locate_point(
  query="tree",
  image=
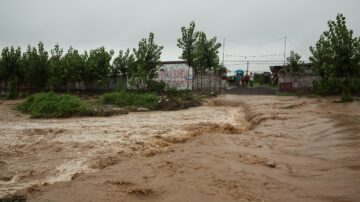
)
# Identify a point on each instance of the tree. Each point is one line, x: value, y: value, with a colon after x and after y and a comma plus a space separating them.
x: 206, y: 53
x: 56, y: 67
x: 147, y: 62
x: 11, y: 69
x: 188, y: 44
x: 75, y: 67
x: 121, y: 65
x: 294, y: 60
x: 98, y: 65
x: 36, y: 65
x: 337, y: 57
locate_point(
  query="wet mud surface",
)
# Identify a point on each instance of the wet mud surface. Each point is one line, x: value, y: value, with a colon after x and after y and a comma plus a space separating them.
x: 235, y: 148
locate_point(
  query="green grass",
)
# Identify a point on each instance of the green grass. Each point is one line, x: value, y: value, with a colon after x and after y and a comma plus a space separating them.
x: 131, y: 99
x: 51, y: 105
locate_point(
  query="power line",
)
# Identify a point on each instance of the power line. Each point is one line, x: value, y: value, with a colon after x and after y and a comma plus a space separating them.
x: 254, y: 44
x: 253, y: 60
x: 298, y: 49
x: 253, y: 56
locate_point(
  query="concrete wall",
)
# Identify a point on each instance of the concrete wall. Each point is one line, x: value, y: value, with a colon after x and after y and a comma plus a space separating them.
x: 176, y: 76
x: 208, y: 82
x: 298, y: 82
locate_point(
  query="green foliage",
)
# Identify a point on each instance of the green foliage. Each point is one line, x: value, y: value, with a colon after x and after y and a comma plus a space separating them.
x: 11, y: 69
x: 147, y: 62
x: 56, y: 67
x: 336, y: 56
x: 156, y: 86
x: 206, y: 52
x: 122, y: 63
x: 98, y: 64
x: 35, y: 61
x: 294, y: 60
x: 128, y: 99
x: 182, y: 94
x: 258, y: 78
x: 50, y: 105
x: 188, y: 43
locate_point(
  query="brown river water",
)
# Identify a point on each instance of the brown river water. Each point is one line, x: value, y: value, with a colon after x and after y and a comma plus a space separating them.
x: 234, y: 148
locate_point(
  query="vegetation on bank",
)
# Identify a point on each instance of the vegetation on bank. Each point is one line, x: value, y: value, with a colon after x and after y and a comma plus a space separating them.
x: 131, y: 99
x: 51, y: 105
x: 336, y: 59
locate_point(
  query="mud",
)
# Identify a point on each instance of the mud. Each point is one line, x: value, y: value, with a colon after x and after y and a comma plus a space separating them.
x: 35, y: 152
x: 234, y: 148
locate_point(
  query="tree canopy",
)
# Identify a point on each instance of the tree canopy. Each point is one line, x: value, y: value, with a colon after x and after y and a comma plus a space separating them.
x: 294, y: 60
x: 188, y: 43
x: 336, y: 56
x: 147, y: 61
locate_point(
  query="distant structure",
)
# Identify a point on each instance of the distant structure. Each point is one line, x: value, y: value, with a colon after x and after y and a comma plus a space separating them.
x: 178, y: 75
x: 301, y: 81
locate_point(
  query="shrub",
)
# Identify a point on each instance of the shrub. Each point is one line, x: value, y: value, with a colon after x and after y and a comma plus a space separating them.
x: 156, y: 86
x: 180, y: 94
x: 123, y: 99
x: 51, y: 105
x: 332, y: 86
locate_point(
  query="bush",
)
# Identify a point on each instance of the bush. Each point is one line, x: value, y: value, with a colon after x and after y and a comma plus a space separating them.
x: 334, y: 86
x: 156, y: 86
x: 51, y: 105
x: 123, y: 99
x: 328, y: 87
x: 180, y: 94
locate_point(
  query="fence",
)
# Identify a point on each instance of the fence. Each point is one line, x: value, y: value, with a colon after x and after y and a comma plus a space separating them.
x: 178, y: 79
x: 79, y: 87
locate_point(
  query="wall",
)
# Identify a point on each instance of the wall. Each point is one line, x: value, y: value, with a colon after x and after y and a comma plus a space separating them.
x: 208, y: 82
x: 298, y: 82
x: 176, y: 76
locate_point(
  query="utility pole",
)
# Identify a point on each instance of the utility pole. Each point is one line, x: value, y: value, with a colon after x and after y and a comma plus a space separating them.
x: 223, y: 52
x: 285, y: 52
x: 247, y: 67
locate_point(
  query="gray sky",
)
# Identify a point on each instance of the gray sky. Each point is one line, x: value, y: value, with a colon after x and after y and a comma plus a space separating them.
x: 247, y: 25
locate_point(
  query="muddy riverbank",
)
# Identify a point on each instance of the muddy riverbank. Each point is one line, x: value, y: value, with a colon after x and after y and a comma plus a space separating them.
x: 236, y: 148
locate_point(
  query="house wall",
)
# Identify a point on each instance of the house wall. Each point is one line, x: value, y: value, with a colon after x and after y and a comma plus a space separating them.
x: 177, y: 76
x: 297, y: 82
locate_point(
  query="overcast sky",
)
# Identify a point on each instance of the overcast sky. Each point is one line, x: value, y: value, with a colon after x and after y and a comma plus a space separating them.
x: 247, y: 25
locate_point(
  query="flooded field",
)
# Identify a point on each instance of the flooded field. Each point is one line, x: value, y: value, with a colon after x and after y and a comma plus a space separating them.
x: 47, y: 151
x: 235, y: 148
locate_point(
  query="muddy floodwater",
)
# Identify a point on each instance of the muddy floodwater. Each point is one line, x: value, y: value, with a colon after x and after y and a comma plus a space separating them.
x: 233, y: 148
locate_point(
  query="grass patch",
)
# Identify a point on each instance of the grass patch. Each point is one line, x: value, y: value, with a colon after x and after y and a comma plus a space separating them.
x: 131, y: 99
x: 179, y: 99
x: 51, y: 105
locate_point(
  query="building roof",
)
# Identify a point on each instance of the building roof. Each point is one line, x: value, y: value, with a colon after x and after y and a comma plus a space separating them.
x: 277, y: 68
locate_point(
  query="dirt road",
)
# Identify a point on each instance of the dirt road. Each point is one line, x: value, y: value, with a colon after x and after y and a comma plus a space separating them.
x: 237, y: 148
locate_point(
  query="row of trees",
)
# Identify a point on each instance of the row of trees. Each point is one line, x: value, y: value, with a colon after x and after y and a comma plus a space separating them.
x: 39, y: 69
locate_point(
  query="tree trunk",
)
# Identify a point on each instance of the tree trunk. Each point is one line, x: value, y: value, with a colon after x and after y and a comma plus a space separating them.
x: 201, y: 79
x: 188, y: 77
x: 210, y: 82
